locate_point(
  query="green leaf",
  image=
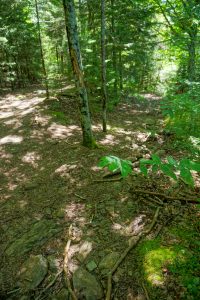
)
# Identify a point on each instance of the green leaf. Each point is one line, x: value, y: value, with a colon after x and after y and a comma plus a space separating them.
x: 194, y: 166
x: 172, y: 161
x: 114, y: 163
x: 167, y: 170
x: 155, y: 168
x: 143, y: 169
x: 147, y: 161
x: 186, y: 176
x: 156, y: 159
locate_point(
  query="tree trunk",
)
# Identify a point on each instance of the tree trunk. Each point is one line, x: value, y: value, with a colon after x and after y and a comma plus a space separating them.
x: 114, y: 55
x: 75, y: 56
x: 103, y: 67
x: 41, y: 50
x: 120, y: 70
x: 192, y: 54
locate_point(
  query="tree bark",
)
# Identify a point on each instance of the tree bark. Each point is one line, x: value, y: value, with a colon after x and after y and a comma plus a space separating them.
x: 75, y: 56
x: 114, y: 54
x: 103, y: 66
x: 192, y: 54
x: 41, y: 50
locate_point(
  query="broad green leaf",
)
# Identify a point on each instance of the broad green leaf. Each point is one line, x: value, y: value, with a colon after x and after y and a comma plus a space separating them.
x: 146, y: 161
x: 167, y: 170
x: 172, y: 161
x: 194, y: 166
x: 186, y: 176
x: 156, y: 159
x: 114, y: 163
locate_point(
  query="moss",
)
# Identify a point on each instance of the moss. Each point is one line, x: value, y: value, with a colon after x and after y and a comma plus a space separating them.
x: 154, y: 256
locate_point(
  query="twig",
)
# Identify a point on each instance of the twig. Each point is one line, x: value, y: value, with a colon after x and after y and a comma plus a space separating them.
x: 82, y: 198
x: 108, y: 180
x: 133, y: 243
x: 65, y: 268
x: 167, y: 197
x: 145, y: 291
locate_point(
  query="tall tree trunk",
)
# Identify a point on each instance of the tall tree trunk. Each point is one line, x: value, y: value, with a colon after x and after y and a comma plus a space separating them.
x: 120, y: 70
x: 41, y: 50
x: 192, y: 54
x: 75, y: 56
x: 114, y: 54
x: 103, y: 66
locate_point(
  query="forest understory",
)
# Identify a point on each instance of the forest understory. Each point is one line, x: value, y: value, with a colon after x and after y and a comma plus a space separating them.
x: 67, y: 224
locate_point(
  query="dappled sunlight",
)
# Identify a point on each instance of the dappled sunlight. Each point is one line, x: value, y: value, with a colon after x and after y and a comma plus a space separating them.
x: 78, y: 252
x: 40, y: 120
x: 18, y: 107
x: 5, y: 155
x: 154, y: 262
x: 109, y: 140
x: 152, y: 97
x: 11, y: 139
x: 31, y: 158
x: 58, y: 131
x: 75, y: 212
x: 65, y: 172
x: 38, y: 134
x: 135, y: 227
x: 14, y: 123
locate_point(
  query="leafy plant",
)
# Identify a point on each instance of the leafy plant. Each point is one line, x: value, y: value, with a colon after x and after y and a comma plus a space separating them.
x: 114, y: 163
x: 171, y: 167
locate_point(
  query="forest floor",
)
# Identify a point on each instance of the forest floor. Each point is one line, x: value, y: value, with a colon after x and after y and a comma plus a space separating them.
x: 48, y: 197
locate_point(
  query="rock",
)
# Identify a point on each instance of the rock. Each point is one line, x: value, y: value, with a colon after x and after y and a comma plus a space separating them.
x: 86, y: 285
x: 91, y: 266
x: 62, y: 295
x: 108, y: 262
x: 38, y: 234
x: 54, y: 264
x: 33, y: 272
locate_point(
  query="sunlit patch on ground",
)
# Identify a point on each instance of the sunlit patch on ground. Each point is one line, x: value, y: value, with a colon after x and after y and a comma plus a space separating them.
x: 133, y: 228
x: 62, y: 132
x: 10, y: 106
x: 109, y: 140
x: 31, y: 158
x: 11, y: 139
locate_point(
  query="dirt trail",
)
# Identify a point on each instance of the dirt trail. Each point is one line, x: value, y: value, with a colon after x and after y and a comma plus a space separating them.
x: 47, y: 186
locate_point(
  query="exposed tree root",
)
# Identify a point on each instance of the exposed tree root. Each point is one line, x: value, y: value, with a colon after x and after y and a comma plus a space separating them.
x: 133, y: 242
x: 66, y: 271
x: 167, y: 197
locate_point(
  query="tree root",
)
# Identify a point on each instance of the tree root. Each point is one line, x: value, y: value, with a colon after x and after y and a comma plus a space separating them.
x: 167, y: 197
x: 66, y: 271
x: 133, y: 243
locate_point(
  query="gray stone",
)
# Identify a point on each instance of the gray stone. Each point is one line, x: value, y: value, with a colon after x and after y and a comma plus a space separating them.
x: 38, y: 235
x: 33, y: 272
x: 54, y: 264
x: 86, y: 285
x: 62, y: 295
x: 108, y: 262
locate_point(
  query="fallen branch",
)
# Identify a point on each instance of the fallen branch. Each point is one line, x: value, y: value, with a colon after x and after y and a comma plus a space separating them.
x: 134, y: 241
x: 167, y: 197
x: 66, y: 271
